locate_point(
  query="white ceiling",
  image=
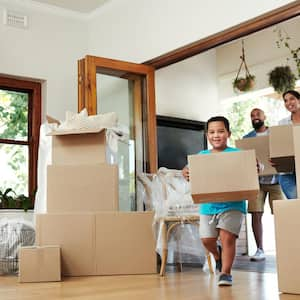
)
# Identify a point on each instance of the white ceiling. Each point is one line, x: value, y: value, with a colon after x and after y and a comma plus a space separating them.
x: 81, y: 6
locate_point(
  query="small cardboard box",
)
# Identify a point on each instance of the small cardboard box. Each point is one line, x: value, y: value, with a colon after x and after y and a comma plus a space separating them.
x: 75, y: 233
x: 38, y: 264
x: 79, y: 147
x: 261, y: 146
x: 102, y: 243
x: 226, y: 176
x: 282, y: 148
x: 287, y: 224
x: 125, y: 243
x: 72, y: 188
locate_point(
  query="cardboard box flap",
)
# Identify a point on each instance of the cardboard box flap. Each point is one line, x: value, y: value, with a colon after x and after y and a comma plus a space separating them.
x: 76, y: 131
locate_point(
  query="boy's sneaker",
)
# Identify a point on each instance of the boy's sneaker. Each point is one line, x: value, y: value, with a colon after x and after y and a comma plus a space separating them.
x: 219, y: 261
x: 225, y: 279
x: 258, y: 256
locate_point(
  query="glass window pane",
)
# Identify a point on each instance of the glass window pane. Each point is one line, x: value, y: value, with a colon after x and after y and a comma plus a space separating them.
x: 14, y: 168
x: 13, y: 115
x: 115, y: 95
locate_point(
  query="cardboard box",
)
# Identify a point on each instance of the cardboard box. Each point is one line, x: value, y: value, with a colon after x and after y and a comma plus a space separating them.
x: 38, y: 264
x: 125, y: 243
x: 296, y: 132
x: 79, y: 147
x: 287, y: 224
x: 102, y: 243
x: 282, y: 148
x: 75, y: 233
x: 72, y: 188
x: 227, y: 176
x: 261, y: 146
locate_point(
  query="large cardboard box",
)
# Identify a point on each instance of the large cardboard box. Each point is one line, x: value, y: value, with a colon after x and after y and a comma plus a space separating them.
x: 75, y: 233
x: 125, y: 243
x: 38, y: 264
x: 72, y: 188
x: 226, y: 176
x: 261, y: 146
x: 79, y: 147
x: 287, y: 224
x: 282, y: 148
x: 296, y: 132
x: 102, y: 243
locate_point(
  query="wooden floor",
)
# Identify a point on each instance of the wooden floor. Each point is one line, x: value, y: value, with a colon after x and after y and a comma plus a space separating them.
x: 191, y: 284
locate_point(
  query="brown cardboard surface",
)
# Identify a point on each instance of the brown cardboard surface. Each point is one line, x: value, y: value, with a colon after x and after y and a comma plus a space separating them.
x: 101, y: 243
x: 261, y: 146
x: 38, y: 264
x: 230, y: 176
x: 296, y: 133
x: 282, y: 147
x: 75, y: 233
x: 287, y: 224
x: 84, y: 148
x: 125, y: 243
x: 72, y: 188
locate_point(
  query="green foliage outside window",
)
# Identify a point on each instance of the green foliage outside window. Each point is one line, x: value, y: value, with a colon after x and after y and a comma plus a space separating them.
x: 14, y: 126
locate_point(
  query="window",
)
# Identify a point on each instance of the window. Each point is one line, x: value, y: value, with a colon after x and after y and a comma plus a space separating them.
x: 20, y: 119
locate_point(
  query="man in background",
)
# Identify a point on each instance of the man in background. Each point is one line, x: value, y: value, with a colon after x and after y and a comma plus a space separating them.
x: 269, y: 186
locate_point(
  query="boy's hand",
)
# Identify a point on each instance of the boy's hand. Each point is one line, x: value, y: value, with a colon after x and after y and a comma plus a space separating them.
x: 186, y: 173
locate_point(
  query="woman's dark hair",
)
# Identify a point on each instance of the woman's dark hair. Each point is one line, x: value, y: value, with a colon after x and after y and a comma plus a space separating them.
x: 293, y: 92
x: 219, y: 119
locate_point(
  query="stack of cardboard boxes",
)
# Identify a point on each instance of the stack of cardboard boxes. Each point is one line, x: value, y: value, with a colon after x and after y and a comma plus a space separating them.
x: 283, y: 147
x: 82, y: 213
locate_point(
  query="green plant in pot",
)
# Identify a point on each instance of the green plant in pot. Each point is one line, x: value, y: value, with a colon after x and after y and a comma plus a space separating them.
x: 282, y: 79
x: 244, y: 84
x: 7, y: 198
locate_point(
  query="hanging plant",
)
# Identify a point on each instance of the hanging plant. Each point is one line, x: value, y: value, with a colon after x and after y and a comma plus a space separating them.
x: 284, y: 40
x: 282, y: 79
x: 246, y: 83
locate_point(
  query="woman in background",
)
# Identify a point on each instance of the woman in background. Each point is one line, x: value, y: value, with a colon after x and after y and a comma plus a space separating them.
x: 291, y: 100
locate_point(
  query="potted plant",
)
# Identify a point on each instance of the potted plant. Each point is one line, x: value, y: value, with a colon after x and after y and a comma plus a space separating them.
x: 244, y: 84
x: 9, y: 199
x: 282, y: 79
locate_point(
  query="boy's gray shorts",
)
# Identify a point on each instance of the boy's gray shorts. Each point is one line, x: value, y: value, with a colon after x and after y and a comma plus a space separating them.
x: 229, y: 220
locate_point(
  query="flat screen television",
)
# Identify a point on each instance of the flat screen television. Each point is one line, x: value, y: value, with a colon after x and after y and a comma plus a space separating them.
x: 176, y: 139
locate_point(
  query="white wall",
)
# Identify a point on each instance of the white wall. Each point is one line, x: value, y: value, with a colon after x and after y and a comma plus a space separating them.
x: 48, y: 50
x: 145, y: 29
x: 151, y: 28
x: 135, y: 30
x: 188, y: 89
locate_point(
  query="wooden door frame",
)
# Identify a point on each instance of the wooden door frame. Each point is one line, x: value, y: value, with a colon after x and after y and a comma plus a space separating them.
x: 263, y: 21
x: 87, y: 97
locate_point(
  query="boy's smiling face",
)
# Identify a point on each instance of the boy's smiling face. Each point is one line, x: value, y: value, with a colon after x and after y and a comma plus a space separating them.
x: 217, y: 135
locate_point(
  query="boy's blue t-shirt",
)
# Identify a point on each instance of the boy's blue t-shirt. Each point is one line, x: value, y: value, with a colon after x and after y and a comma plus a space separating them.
x: 219, y: 207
